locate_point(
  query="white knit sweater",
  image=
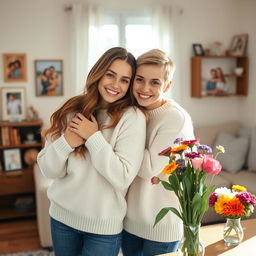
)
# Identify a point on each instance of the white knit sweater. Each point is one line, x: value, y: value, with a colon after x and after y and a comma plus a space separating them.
x: 88, y: 193
x: 145, y: 200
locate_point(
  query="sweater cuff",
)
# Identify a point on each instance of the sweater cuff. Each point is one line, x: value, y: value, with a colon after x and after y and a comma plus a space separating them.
x: 62, y: 146
x: 95, y: 142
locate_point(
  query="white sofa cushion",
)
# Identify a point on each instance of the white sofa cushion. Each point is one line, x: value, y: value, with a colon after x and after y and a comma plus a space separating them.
x: 208, y: 133
x: 252, y: 152
x: 235, y: 151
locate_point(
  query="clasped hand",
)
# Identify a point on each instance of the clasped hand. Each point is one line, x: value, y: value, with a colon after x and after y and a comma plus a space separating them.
x: 82, y: 126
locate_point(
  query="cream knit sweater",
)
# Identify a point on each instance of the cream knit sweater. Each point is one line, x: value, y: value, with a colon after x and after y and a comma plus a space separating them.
x: 145, y: 200
x: 88, y: 193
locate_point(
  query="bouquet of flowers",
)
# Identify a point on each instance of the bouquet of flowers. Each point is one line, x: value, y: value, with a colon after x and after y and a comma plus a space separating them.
x: 234, y: 203
x: 189, y: 165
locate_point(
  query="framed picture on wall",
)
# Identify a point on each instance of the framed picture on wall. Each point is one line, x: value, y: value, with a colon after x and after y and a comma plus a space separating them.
x: 12, y: 159
x: 15, y: 67
x: 13, y: 104
x: 198, y: 49
x: 49, y: 77
x: 238, y: 45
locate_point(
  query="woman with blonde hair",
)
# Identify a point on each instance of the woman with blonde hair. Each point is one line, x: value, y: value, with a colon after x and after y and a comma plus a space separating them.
x: 93, y: 151
x: 167, y: 120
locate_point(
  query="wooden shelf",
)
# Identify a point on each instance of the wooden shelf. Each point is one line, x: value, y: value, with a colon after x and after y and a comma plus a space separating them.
x: 27, y: 145
x: 17, y: 183
x: 21, y: 124
x: 241, y: 80
x: 11, y: 213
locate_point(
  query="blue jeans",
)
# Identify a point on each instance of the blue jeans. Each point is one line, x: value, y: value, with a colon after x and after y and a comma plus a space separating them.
x: 136, y: 246
x: 68, y: 241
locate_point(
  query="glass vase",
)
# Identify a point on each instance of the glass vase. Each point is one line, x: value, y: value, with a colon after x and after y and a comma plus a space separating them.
x: 190, y: 244
x: 233, y: 232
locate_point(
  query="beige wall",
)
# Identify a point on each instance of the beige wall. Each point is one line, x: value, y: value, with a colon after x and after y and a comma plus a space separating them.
x: 41, y: 30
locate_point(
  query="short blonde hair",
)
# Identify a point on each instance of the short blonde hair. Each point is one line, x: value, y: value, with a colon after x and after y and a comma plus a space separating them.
x: 160, y: 58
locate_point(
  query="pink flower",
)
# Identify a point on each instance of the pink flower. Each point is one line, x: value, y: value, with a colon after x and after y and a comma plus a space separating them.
x: 211, y: 165
x: 155, y: 180
x: 165, y: 152
x: 197, y: 163
x: 212, y: 199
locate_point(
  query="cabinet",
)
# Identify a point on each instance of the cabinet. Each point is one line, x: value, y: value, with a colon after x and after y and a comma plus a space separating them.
x: 19, y: 143
x: 240, y: 81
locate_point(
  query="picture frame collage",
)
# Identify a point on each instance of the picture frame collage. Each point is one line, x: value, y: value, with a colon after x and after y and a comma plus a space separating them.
x: 48, y: 83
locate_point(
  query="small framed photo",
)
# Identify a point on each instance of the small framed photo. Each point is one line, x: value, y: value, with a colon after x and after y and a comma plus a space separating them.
x: 12, y: 159
x: 15, y: 67
x: 13, y: 104
x: 49, y: 77
x: 238, y: 45
x: 198, y: 49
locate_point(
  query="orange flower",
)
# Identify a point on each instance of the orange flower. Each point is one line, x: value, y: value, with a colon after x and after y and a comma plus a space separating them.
x: 233, y: 207
x: 170, y: 168
x: 220, y: 203
x: 178, y: 149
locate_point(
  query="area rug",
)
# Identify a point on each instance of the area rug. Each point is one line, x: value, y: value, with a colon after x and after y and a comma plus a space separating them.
x: 30, y: 253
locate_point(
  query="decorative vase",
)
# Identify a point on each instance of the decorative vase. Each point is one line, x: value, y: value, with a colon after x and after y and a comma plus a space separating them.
x: 233, y: 232
x: 190, y: 244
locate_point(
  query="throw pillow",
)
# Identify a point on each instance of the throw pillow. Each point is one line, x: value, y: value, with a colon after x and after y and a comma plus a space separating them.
x: 246, y: 132
x: 252, y: 152
x: 235, y: 151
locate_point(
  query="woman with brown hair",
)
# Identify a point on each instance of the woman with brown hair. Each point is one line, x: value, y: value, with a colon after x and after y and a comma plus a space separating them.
x: 93, y: 151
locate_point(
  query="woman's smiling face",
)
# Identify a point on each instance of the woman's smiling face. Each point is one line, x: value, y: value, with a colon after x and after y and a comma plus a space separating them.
x: 149, y: 86
x: 115, y: 82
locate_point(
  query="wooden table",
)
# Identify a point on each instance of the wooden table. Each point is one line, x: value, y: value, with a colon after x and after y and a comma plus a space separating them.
x: 212, y: 239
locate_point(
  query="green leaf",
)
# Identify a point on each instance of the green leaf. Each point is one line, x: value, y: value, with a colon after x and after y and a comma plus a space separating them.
x: 161, y: 214
x: 196, y: 206
x: 167, y: 185
x: 175, y: 211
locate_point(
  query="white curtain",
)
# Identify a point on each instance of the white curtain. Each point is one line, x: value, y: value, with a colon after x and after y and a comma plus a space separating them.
x: 86, y: 22
x: 165, y: 28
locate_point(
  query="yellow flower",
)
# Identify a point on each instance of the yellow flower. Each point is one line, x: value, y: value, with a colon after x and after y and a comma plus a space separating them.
x: 170, y: 168
x: 219, y: 204
x: 238, y: 188
x: 178, y: 149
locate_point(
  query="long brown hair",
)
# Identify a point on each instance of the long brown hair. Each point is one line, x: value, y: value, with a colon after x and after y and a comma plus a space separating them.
x: 90, y: 101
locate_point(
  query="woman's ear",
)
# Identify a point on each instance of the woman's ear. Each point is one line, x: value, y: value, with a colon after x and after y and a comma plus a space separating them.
x: 167, y: 86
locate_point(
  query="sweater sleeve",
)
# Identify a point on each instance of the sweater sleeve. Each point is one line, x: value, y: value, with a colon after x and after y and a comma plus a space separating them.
x: 179, y: 125
x: 120, y: 164
x: 52, y: 159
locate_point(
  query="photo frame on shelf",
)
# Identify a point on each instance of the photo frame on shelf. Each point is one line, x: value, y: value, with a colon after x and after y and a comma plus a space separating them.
x: 238, y: 45
x: 15, y: 67
x: 13, y: 104
x: 49, y: 77
x: 12, y: 159
x: 198, y: 50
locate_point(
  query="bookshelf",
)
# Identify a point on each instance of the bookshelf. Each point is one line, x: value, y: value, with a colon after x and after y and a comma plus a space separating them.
x: 241, y: 81
x: 19, y: 144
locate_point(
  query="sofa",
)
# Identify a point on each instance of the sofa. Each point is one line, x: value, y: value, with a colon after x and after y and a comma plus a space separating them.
x: 238, y: 163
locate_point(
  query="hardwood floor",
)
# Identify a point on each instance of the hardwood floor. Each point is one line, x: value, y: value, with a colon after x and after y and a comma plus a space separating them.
x: 19, y: 235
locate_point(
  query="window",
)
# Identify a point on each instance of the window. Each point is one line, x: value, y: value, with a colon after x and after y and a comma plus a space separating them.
x: 134, y: 32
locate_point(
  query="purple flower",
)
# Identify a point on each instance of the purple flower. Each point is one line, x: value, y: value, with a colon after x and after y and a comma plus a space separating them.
x: 192, y: 155
x: 245, y: 197
x: 181, y: 162
x: 178, y: 140
x: 204, y: 149
x: 212, y: 199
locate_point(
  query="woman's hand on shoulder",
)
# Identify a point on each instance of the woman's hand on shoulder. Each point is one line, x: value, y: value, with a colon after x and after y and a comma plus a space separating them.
x: 83, y: 126
x: 73, y: 139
